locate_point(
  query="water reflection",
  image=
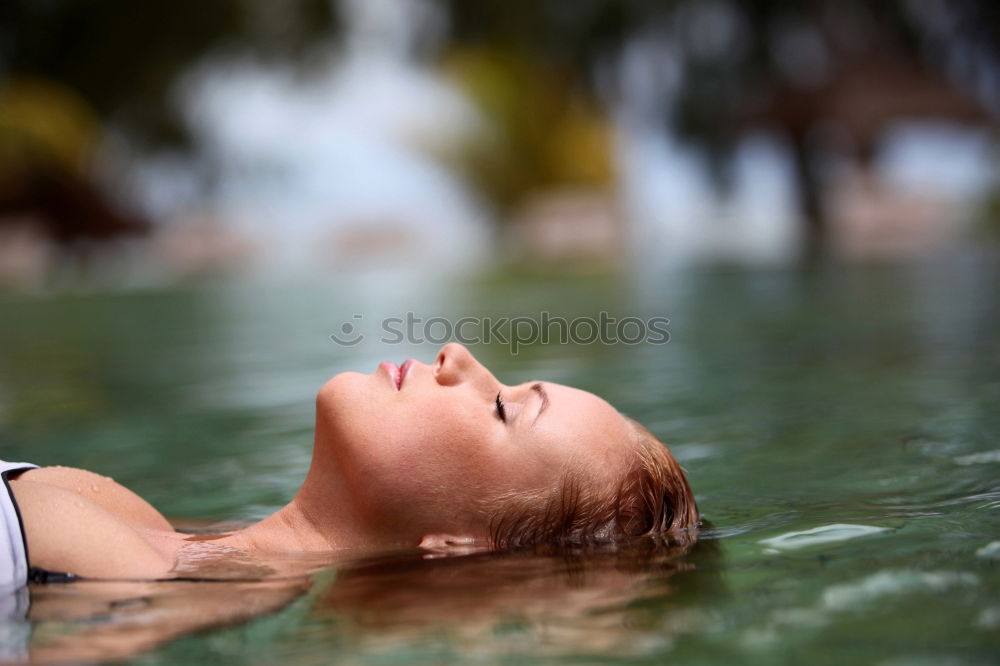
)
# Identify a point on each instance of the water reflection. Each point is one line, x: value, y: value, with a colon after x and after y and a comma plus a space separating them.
x: 633, y: 599
x: 99, y: 621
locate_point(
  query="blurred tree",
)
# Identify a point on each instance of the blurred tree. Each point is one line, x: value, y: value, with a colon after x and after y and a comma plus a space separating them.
x: 792, y: 66
x: 47, y: 135
x: 124, y: 57
x: 71, y: 69
x: 724, y: 69
x: 543, y: 131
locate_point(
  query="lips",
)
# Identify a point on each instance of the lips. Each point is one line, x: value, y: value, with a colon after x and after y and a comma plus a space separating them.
x: 392, y: 370
x: 403, y: 370
x: 395, y: 372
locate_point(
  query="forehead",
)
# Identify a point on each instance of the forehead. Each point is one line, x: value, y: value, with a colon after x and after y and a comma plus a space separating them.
x: 578, y: 425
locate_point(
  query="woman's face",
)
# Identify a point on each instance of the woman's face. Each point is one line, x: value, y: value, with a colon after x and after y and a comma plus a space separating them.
x: 425, y: 449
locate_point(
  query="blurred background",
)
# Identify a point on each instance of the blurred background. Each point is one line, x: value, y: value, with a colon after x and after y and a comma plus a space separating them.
x: 195, y: 196
x: 143, y: 145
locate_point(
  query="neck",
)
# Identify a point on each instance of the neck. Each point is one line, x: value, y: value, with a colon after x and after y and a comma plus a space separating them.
x: 321, y: 517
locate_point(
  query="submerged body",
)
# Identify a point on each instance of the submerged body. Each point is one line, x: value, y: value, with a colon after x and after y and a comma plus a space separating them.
x: 83, y: 523
x: 433, y: 455
x: 88, y: 525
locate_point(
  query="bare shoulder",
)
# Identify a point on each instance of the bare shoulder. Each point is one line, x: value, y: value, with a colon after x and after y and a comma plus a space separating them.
x: 67, y: 531
x: 103, y: 491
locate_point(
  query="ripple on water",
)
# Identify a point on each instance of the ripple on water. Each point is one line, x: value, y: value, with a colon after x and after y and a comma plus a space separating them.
x: 904, y: 506
x: 817, y: 535
x: 890, y: 583
x: 694, y: 451
x: 725, y: 526
x: 853, y: 596
x: 978, y: 458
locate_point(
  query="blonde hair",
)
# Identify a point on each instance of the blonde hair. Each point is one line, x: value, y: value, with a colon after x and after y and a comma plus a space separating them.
x: 652, y: 498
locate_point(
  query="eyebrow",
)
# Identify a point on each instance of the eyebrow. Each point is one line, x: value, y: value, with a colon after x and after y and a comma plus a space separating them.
x: 540, y: 390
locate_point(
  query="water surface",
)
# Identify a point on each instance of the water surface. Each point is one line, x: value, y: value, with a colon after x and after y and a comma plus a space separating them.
x: 839, y: 428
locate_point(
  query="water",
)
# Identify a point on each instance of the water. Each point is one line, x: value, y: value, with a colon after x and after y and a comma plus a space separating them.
x: 839, y: 428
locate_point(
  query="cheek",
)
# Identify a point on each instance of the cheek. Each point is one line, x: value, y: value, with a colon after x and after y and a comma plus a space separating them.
x: 428, y: 449
x: 418, y: 458
x: 435, y: 460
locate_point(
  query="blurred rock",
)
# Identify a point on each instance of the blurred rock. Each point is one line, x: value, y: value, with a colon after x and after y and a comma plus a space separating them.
x: 575, y: 225
x: 871, y: 219
x: 201, y: 247
x: 371, y: 243
x: 26, y: 254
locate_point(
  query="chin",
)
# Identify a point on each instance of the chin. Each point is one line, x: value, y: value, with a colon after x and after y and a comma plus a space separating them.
x: 339, y: 392
x: 352, y: 409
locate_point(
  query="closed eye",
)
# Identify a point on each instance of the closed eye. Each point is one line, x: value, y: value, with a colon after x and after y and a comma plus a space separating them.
x: 501, y: 410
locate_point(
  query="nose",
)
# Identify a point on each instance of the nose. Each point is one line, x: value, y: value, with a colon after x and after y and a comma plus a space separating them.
x: 455, y: 365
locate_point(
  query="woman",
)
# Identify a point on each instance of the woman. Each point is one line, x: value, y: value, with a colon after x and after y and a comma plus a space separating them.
x: 440, y: 456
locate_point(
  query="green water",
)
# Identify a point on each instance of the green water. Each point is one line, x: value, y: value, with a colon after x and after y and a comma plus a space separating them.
x: 840, y: 429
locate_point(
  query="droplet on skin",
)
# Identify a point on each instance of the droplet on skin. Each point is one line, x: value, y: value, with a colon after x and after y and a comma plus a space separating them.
x: 94, y: 488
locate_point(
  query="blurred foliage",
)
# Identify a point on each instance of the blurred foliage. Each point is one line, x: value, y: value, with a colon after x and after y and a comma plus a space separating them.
x: 70, y: 70
x: 542, y: 133
x: 727, y: 68
x: 44, y: 122
x: 124, y: 57
x: 545, y: 73
x: 48, y: 135
x: 731, y: 53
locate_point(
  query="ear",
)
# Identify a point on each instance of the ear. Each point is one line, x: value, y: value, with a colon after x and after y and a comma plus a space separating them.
x: 445, y: 545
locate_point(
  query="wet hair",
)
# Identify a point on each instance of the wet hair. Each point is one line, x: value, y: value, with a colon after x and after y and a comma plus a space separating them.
x: 652, y: 499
